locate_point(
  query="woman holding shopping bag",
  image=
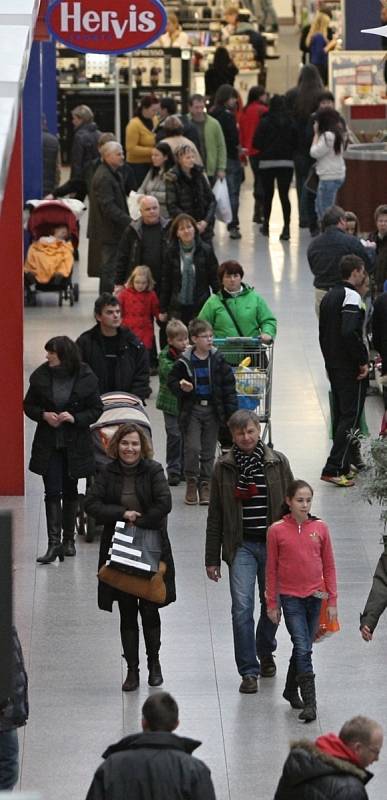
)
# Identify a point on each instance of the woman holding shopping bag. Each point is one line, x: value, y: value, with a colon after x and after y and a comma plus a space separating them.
x: 300, y: 566
x: 133, y: 489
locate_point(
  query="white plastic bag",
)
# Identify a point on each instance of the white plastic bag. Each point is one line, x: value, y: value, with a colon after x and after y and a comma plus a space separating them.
x: 133, y: 205
x: 223, y: 207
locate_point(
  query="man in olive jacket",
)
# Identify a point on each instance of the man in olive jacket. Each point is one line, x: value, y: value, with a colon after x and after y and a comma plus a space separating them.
x: 155, y: 764
x: 248, y: 488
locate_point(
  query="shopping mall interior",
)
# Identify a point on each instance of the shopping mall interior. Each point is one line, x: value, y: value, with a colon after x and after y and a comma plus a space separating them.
x: 72, y: 650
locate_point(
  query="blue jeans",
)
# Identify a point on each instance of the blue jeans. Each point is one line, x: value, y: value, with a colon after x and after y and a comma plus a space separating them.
x: 301, y: 619
x: 234, y: 176
x: 248, y: 566
x: 326, y: 195
x: 9, y: 759
x: 174, y: 444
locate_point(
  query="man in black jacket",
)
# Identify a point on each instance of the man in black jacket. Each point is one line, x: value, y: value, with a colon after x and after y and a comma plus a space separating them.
x: 116, y: 356
x: 226, y: 99
x: 155, y: 764
x: 142, y: 242
x: 13, y: 715
x: 326, y: 251
x: 346, y: 362
x: 332, y: 766
x: 108, y: 213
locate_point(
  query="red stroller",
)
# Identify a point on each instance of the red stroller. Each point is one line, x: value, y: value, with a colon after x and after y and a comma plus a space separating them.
x: 46, y: 216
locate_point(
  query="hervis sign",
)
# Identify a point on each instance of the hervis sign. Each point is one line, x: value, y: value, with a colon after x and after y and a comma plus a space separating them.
x: 106, y: 26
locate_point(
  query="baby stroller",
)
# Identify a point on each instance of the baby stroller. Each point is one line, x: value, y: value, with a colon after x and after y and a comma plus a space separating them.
x: 49, y: 262
x: 119, y: 408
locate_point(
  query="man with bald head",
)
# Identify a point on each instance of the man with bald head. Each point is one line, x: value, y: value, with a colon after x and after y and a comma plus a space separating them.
x: 142, y: 242
x: 108, y: 213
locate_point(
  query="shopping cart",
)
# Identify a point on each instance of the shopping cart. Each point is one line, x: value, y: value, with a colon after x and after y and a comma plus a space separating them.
x: 252, y: 362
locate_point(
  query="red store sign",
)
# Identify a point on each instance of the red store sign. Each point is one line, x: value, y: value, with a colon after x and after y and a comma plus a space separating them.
x: 106, y: 26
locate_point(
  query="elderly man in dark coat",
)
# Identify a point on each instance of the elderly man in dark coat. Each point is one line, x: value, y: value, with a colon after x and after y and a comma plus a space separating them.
x: 155, y: 764
x: 108, y: 214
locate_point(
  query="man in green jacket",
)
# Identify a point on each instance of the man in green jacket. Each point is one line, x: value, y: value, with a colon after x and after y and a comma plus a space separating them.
x: 248, y: 488
x: 212, y: 144
x: 238, y: 310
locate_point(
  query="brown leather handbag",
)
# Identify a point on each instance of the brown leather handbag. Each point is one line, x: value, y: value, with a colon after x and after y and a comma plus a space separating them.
x: 152, y: 589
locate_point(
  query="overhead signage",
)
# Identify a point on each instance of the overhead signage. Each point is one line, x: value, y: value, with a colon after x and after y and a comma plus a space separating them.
x: 106, y: 26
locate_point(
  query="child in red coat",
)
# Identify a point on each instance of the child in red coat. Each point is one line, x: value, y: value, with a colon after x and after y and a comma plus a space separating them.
x: 140, y: 306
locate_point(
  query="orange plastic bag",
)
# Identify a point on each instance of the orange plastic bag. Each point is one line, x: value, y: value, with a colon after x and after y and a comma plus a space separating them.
x: 326, y: 626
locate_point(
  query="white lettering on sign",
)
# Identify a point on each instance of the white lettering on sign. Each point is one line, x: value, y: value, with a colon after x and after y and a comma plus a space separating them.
x: 72, y: 20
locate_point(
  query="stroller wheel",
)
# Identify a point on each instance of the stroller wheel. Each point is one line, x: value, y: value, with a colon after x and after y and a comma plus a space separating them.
x: 81, y: 517
x: 60, y: 298
x: 76, y: 292
x: 71, y: 295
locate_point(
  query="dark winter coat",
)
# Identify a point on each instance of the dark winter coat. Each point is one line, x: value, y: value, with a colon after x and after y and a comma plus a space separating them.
x: 15, y: 713
x: 132, y: 370
x: 341, y: 330
x: 227, y: 122
x: 84, y: 148
x: 326, y: 251
x: 108, y: 208
x: 155, y: 765
x: 206, y: 277
x: 215, y: 77
x: 377, y: 598
x: 222, y: 383
x: 379, y: 328
x: 275, y: 138
x: 84, y: 404
x: 380, y: 260
x: 310, y: 774
x: 51, y: 170
x: 129, y: 251
x: 224, y: 521
x: 103, y: 502
x: 190, y: 195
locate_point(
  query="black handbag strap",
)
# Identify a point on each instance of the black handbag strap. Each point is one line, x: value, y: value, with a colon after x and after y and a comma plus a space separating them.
x: 231, y: 315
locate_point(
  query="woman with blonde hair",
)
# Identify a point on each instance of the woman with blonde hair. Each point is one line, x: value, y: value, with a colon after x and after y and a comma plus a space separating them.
x: 174, y: 35
x: 133, y: 489
x: 319, y: 45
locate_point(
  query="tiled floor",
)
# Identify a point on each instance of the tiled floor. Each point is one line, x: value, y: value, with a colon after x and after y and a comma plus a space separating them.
x: 73, y: 650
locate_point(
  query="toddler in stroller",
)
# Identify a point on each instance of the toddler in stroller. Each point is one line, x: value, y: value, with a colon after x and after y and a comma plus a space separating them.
x: 118, y: 409
x: 50, y: 257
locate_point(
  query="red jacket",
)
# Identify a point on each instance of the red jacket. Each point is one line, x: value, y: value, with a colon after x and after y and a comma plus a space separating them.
x: 299, y: 560
x: 139, y: 310
x: 249, y: 120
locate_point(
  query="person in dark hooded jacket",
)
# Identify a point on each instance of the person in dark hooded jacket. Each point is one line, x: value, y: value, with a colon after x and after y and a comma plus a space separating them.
x: 155, y: 764
x: 189, y: 192
x: 333, y: 766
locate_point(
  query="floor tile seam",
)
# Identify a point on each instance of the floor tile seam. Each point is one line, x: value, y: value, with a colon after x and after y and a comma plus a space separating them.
x: 217, y: 687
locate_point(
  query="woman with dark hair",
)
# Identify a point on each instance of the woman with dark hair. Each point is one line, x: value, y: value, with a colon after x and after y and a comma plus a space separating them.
x: 303, y: 101
x: 63, y: 398
x: 237, y: 309
x: 189, y: 271
x: 154, y: 181
x: 189, y: 192
x: 139, y: 136
x: 327, y: 148
x: 221, y: 71
x: 224, y: 111
x: 276, y: 141
x: 300, y: 571
x: 133, y: 489
x: 249, y: 120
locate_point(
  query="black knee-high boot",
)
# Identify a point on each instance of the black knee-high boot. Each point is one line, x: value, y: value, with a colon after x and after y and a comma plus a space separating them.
x: 69, y: 515
x: 308, y: 694
x: 290, y: 692
x: 130, y: 640
x: 54, y: 531
x: 152, y: 645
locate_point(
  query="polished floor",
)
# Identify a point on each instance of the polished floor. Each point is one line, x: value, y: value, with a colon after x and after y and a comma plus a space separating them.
x: 73, y: 650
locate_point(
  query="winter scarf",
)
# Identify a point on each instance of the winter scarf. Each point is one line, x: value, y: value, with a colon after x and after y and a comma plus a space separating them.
x: 250, y: 467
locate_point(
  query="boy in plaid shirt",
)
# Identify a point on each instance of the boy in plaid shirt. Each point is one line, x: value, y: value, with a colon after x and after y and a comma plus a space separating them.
x: 177, y: 338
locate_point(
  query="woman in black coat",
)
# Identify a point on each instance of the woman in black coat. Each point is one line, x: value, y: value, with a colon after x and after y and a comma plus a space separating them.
x: 189, y: 271
x: 189, y: 192
x: 133, y: 489
x: 221, y: 71
x: 63, y: 398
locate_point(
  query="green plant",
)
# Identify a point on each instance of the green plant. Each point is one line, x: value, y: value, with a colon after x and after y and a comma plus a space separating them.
x: 374, y: 478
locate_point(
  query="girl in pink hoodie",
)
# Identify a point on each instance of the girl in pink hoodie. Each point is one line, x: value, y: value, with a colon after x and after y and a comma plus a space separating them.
x: 300, y: 572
